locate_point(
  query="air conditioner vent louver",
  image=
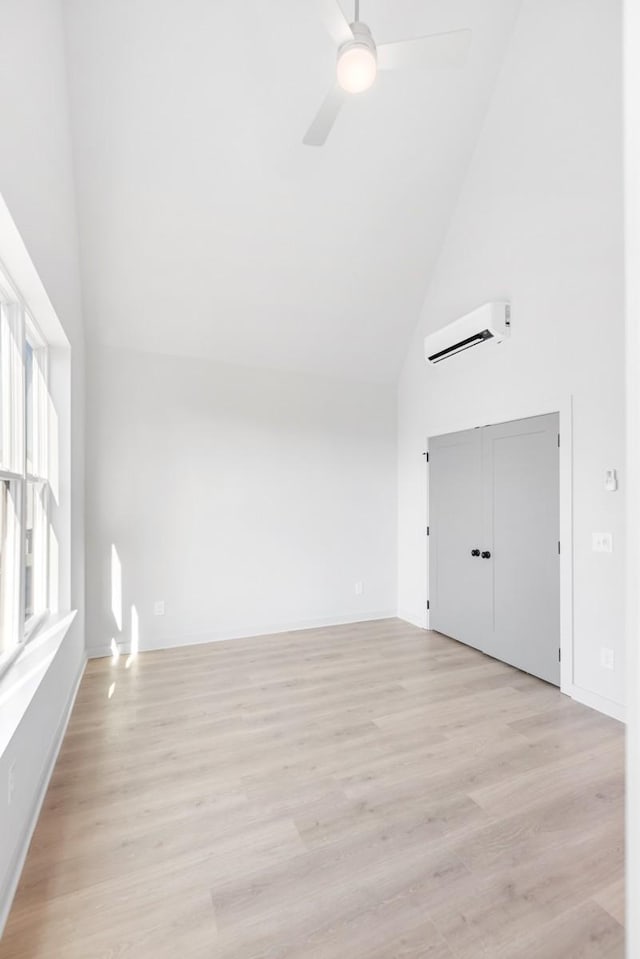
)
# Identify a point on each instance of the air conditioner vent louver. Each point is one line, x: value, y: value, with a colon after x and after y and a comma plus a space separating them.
x: 489, y: 323
x: 466, y: 344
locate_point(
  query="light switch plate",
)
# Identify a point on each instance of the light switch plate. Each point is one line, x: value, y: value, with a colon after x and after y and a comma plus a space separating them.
x: 602, y: 543
x: 606, y: 657
x: 158, y: 608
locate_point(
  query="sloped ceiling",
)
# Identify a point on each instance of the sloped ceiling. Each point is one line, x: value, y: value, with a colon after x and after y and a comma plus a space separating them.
x: 208, y: 229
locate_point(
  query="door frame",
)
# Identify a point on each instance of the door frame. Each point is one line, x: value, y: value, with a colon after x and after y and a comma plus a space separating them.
x: 564, y: 409
x: 631, y: 75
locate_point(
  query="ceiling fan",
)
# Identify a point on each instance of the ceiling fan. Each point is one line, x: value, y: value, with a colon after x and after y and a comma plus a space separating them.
x: 359, y: 59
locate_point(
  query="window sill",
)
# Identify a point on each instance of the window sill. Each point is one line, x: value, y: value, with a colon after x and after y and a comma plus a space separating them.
x: 25, y: 670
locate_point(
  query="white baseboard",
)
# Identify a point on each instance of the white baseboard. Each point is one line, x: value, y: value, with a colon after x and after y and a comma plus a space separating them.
x: 249, y: 632
x: 416, y: 619
x: 607, y: 706
x: 99, y: 652
x: 15, y: 867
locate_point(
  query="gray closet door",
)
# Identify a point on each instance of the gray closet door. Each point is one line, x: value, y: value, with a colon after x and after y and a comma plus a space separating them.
x: 458, y: 582
x: 496, y: 490
x: 522, y: 517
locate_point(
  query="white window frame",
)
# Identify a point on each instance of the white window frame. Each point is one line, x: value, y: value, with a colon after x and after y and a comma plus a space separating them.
x: 17, y: 328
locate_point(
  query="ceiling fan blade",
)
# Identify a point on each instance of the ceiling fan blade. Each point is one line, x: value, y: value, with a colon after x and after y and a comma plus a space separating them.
x: 433, y: 51
x: 336, y: 22
x: 320, y: 129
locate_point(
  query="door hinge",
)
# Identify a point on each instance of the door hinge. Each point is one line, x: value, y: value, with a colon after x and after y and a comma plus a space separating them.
x: 558, y: 546
x: 559, y: 655
x: 427, y: 604
x: 558, y: 439
x: 428, y: 530
x: 426, y: 455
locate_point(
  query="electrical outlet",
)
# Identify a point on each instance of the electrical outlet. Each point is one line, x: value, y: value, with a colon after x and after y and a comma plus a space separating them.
x: 11, y: 783
x: 602, y: 542
x: 607, y: 659
x: 359, y: 588
x: 158, y: 608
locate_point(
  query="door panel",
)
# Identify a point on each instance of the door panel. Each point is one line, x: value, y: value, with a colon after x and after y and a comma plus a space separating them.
x: 496, y: 489
x: 522, y: 513
x: 458, y: 594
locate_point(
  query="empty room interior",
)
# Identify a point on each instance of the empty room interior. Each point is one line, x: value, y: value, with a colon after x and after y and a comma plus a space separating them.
x: 319, y: 479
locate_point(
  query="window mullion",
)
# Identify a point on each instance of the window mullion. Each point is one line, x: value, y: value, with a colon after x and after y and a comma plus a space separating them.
x: 14, y: 370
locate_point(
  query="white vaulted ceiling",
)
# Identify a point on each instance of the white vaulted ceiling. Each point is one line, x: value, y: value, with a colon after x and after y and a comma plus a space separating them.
x: 207, y: 228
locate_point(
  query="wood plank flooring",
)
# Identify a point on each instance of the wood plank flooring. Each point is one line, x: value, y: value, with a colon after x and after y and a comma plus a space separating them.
x: 360, y: 792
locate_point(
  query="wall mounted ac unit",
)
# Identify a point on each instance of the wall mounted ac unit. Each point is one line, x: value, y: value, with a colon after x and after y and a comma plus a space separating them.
x: 490, y: 323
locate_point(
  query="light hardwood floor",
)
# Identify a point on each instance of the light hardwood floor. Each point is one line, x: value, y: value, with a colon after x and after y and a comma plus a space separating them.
x: 360, y: 792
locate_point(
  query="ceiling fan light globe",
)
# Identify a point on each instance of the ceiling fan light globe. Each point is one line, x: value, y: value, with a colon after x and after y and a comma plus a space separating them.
x: 357, y: 68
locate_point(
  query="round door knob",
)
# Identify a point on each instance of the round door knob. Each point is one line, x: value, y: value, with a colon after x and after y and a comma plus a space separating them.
x: 475, y: 552
x: 486, y: 554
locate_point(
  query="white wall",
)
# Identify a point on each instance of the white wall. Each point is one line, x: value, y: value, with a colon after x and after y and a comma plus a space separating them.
x: 249, y: 501
x: 539, y: 221
x: 36, y: 182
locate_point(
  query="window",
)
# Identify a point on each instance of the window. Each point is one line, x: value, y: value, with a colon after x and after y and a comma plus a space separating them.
x: 24, y: 481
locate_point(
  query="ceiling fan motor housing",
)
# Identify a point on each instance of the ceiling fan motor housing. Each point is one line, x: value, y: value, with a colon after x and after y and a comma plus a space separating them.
x: 362, y: 37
